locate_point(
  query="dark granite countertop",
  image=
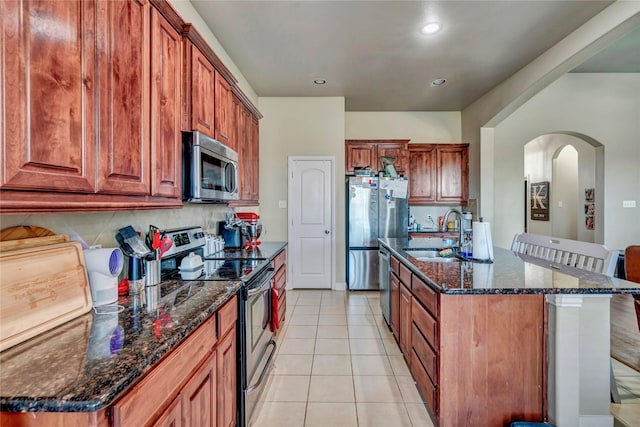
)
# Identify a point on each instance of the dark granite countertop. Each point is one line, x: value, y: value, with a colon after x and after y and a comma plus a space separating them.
x: 510, y: 273
x: 85, y: 364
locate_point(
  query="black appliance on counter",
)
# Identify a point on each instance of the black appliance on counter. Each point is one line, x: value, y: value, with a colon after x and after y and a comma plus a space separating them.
x: 255, y: 343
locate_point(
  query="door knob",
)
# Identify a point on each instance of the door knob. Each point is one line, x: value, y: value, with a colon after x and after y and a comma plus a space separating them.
x: 326, y: 232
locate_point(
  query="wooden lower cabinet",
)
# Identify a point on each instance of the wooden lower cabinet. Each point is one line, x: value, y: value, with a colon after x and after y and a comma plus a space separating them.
x: 405, y: 322
x: 280, y: 284
x: 394, y: 304
x: 200, y: 375
x: 172, y: 416
x: 226, y: 366
x: 200, y: 395
x: 478, y: 360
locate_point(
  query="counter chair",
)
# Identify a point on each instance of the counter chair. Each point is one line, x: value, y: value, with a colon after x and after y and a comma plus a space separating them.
x: 573, y: 253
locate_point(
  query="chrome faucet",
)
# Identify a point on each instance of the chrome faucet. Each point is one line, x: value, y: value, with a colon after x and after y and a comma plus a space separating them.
x: 446, y: 219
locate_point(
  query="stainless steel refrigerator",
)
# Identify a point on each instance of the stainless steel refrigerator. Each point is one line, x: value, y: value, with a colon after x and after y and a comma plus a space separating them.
x: 372, y: 212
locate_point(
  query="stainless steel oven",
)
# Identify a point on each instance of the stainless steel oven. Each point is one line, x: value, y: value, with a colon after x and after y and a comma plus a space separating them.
x: 256, y: 341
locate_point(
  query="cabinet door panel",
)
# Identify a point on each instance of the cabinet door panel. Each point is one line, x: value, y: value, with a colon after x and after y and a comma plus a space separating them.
x: 47, y: 95
x: 166, y: 67
x: 123, y: 55
x: 202, y: 93
x: 172, y: 416
x: 200, y: 396
x: 405, y: 322
x: 223, y: 112
x: 361, y: 154
x: 453, y: 175
x: 397, y: 150
x: 422, y: 174
x: 255, y: 155
x: 245, y: 154
x: 227, y: 380
x: 394, y: 301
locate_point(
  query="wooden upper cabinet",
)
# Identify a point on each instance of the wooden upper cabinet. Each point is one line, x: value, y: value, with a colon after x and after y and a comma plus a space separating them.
x: 166, y: 141
x: 203, y: 82
x: 248, y: 153
x: 422, y: 173
x: 453, y: 174
x: 124, y: 116
x: 224, y: 112
x: 360, y: 153
x: 438, y: 174
x: 47, y: 95
x: 397, y: 150
x: 255, y: 158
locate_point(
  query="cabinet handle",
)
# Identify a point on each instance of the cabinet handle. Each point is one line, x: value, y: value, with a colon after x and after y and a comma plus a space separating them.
x: 224, y: 135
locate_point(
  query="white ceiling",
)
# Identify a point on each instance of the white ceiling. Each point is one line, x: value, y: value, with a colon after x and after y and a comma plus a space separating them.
x: 373, y: 54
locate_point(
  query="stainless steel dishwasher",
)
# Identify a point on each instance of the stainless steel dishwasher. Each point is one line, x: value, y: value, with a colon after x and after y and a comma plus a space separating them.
x: 385, y: 295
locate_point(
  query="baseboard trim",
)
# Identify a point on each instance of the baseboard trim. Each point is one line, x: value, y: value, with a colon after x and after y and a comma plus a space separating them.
x: 340, y: 286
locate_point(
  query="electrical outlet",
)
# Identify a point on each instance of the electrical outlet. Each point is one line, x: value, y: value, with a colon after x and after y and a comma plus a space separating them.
x: 429, y: 217
x: 628, y: 203
x: 282, y: 204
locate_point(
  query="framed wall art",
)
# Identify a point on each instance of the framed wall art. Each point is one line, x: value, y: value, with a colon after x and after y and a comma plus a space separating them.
x: 540, y: 201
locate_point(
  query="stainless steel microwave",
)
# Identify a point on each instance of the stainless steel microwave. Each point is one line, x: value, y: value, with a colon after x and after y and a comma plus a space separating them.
x: 209, y: 170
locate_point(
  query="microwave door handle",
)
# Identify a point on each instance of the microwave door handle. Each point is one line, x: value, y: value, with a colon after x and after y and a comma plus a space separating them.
x: 229, y: 177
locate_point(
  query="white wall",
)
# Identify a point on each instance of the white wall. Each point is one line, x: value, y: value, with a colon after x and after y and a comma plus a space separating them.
x: 567, y: 185
x: 479, y: 118
x: 603, y: 107
x: 418, y: 126
x: 299, y: 127
x: 190, y: 15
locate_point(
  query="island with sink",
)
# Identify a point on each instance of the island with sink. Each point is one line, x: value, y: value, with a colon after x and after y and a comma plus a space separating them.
x: 486, y: 342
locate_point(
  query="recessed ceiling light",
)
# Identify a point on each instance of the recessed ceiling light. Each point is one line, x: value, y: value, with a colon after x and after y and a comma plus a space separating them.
x: 320, y: 81
x: 438, y: 82
x: 431, y: 28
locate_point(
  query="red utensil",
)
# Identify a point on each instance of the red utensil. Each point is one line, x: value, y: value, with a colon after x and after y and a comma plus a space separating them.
x: 156, y: 241
x: 165, y: 244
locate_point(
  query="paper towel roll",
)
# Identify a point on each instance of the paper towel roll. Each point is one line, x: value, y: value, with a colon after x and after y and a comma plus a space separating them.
x: 482, y: 243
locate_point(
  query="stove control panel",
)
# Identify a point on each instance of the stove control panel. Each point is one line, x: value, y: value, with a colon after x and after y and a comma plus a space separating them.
x: 184, y: 239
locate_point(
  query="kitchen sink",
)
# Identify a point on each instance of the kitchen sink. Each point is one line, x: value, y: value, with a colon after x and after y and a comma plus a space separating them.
x: 428, y: 254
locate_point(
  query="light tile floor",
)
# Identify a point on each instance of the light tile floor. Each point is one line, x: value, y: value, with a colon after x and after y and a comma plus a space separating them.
x: 338, y: 365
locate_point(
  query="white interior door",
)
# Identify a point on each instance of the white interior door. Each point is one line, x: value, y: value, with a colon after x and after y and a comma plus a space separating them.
x: 311, y: 222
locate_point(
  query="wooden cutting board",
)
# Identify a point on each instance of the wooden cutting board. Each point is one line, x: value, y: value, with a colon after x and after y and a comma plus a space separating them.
x: 40, y: 288
x: 24, y: 232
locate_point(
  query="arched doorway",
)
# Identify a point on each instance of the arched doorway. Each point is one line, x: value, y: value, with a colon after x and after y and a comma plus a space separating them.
x: 572, y: 165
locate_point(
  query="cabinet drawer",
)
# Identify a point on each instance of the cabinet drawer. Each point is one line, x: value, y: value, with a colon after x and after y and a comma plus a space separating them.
x: 428, y: 391
x: 425, y: 294
x: 405, y: 275
x: 395, y: 265
x: 280, y: 260
x: 425, y: 353
x: 426, y: 324
x: 227, y: 316
x: 280, y: 279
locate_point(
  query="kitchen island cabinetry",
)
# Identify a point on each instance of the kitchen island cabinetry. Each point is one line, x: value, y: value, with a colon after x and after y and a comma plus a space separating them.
x: 455, y: 350
x: 361, y: 153
x: 438, y: 174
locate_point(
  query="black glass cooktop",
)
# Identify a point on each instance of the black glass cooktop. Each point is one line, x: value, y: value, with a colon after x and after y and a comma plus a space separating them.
x: 222, y: 269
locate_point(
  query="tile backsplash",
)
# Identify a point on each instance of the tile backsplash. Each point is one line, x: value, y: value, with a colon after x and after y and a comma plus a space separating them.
x: 100, y: 228
x: 420, y: 212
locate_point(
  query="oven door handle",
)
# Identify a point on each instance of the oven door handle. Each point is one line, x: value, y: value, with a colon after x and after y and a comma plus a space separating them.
x: 260, y: 288
x: 265, y: 369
